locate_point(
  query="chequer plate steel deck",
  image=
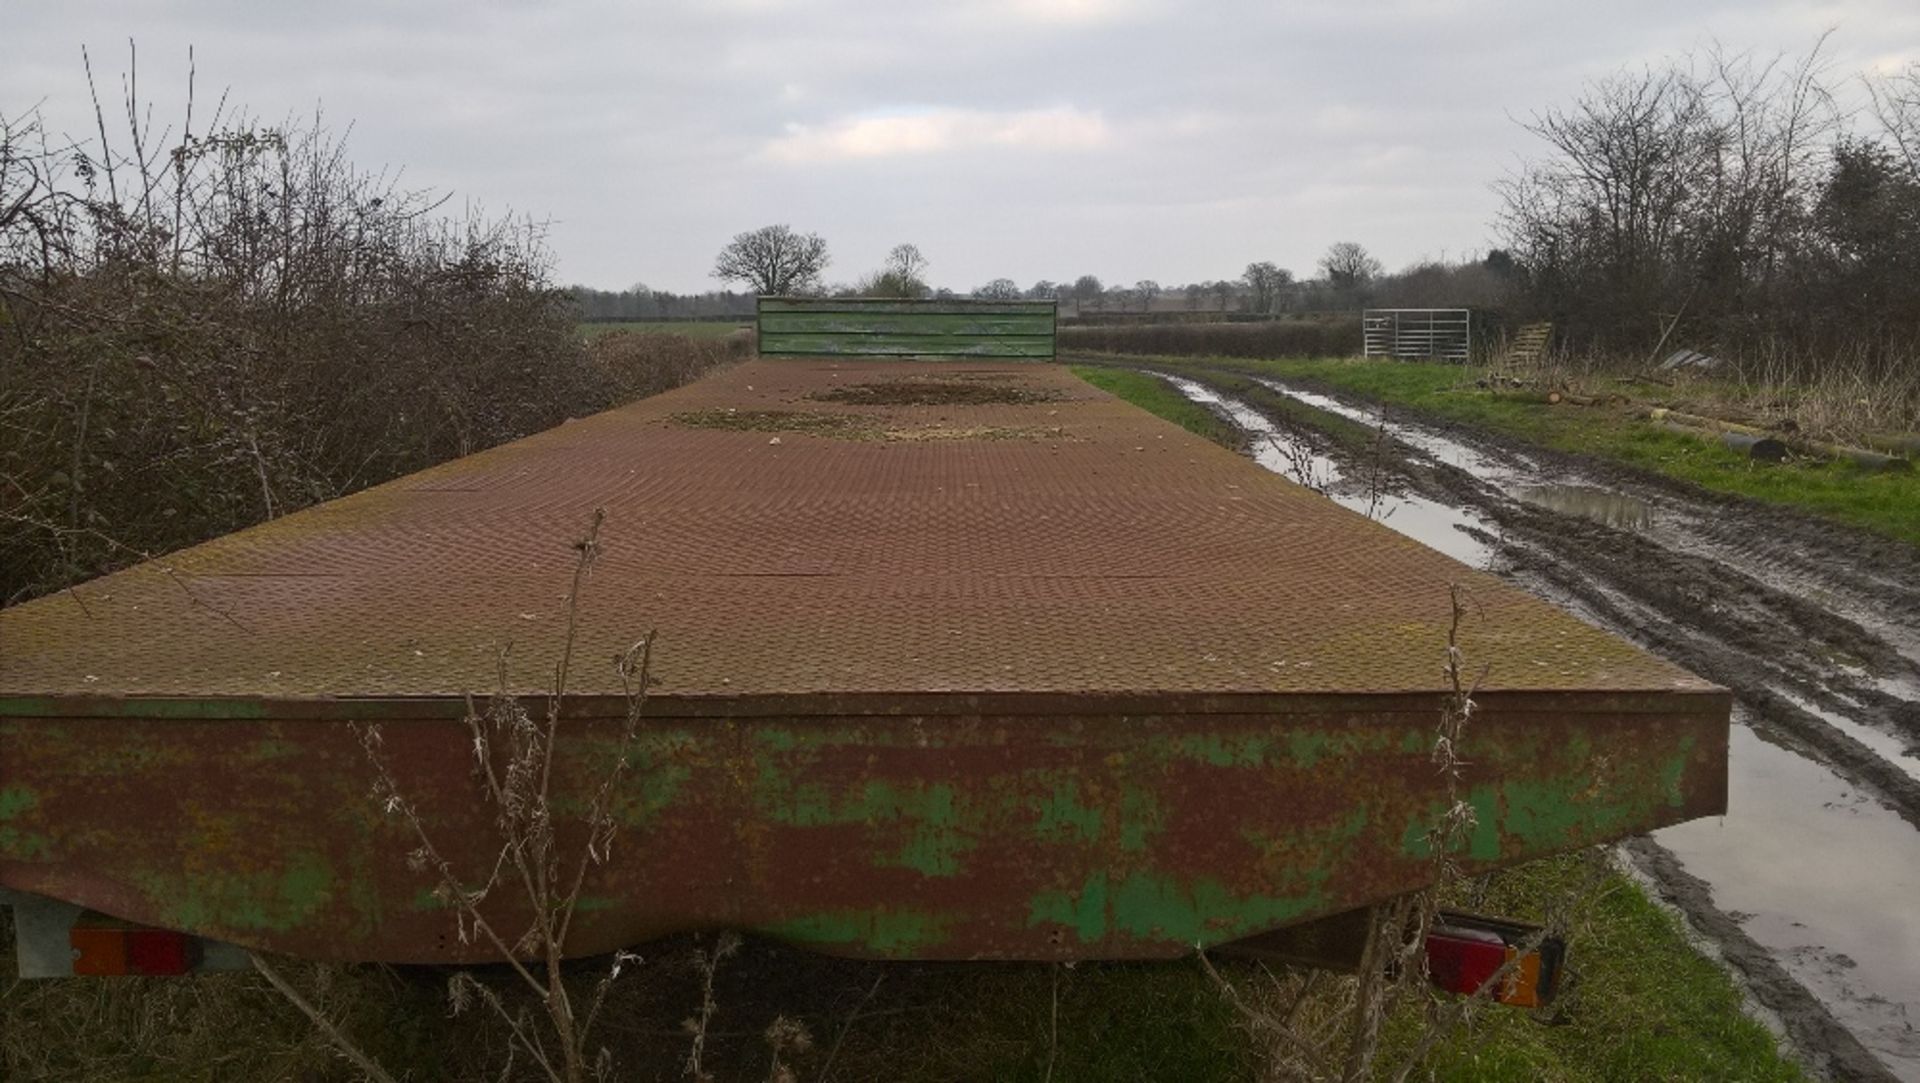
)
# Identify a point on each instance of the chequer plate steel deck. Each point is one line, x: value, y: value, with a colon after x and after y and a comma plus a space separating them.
x: 1045, y: 678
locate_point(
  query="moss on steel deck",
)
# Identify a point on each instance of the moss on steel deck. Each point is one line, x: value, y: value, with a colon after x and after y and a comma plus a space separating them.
x: 1107, y: 690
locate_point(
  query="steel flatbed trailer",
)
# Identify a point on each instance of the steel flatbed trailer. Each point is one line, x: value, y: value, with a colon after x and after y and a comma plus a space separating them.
x: 956, y: 660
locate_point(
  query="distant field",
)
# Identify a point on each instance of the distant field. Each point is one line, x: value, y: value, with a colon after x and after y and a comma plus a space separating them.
x: 689, y: 328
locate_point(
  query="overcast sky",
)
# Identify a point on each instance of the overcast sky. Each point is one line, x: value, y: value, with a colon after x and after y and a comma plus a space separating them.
x: 1024, y: 138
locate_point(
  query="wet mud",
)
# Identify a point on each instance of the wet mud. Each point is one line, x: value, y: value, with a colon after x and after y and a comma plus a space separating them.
x: 1809, y: 886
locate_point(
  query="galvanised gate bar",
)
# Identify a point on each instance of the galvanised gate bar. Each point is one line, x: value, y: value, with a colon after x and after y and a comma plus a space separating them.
x: 957, y: 660
x: 1432, y: 334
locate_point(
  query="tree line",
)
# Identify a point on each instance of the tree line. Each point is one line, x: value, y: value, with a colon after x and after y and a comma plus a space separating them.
x: 1724, y: 201
x: 1728, y: 200
x: 778, y: 260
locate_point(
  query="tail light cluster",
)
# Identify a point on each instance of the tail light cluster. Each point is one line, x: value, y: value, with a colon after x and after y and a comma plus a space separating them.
x: 1465, y: 953
x: 103, y: 947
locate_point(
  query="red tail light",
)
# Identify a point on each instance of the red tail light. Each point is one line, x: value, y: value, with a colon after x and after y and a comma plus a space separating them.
x: 1462, y: 960
x: 1464, y: 952
x: 115, y: 948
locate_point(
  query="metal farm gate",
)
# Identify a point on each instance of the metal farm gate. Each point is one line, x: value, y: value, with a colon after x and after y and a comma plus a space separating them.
x: 884, y: 327
x: 1438, y: 334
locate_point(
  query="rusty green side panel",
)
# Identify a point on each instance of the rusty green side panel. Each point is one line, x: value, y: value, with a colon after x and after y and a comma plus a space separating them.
x: 879, y: 327
x: 1007, y: 834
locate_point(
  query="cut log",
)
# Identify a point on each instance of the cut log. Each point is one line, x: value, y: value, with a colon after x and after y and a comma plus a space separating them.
x: 1861, y: 457
x: 1762, y: 449
x: 1536, y: 397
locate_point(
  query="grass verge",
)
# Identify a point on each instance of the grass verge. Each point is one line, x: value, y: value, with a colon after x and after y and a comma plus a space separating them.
x: 1645, y: 1004
x: 1155, y: 396
x: 1884, y: 503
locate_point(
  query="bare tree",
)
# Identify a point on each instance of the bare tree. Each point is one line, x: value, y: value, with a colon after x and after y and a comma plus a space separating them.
x: 1147, y: 290
x: 1896, y: 105
x: 1348, y: 266
x: 1000, y: 289
x: 1683, y: 192
x: 908, y: 262
x: 1087, y: 290
x: 1265, y: 280
x: 902, y: 275
x: 772, y: 260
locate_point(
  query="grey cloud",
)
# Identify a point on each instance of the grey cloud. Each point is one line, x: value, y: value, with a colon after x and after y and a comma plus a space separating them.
x: 1129, y: 139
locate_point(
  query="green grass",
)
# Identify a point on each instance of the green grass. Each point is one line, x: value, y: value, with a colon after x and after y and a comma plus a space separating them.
x: 1884, y: 503
x: 1153, y: 394
x: 1645, y: 1004
x: 689, y: 328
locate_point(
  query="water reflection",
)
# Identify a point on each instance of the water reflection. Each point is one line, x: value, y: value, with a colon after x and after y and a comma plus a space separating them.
x: 1826, y: 878
x: 1616, y: 510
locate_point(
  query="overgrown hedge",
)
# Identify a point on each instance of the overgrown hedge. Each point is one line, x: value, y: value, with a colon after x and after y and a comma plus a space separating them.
x: 192, y: 347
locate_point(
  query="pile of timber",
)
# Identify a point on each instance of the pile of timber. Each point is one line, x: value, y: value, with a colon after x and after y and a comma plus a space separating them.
x: 1765, y: 446
x: 1552, y: 396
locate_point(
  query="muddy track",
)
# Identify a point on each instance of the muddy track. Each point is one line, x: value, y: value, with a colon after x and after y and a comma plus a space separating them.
x: 1745, y: 616
x: 1765, y: 539
x: 1852, y: 571
x: 1816, y: 627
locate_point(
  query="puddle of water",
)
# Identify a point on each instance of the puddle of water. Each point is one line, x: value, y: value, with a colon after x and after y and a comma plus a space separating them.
x: 1825, y: 878
x: 1600, y: 505
x: 1273, y: 449
x: 1586, y: 501
x: 1432, y: 524
x: 1451, y: 452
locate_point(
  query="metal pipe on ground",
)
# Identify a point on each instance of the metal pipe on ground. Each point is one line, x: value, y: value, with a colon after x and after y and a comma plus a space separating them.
x: 1899, y: 443
x: 1869, y: 460
x: 1763, y: 449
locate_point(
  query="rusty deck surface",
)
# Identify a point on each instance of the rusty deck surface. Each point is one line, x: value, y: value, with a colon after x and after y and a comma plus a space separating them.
x: 1068, y: 545
x: 1046, y: 678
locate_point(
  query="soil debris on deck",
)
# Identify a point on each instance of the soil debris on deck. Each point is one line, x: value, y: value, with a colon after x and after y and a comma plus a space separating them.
x: 802, y: 421
x: 923, y: 433
x: 860, y: 426
x: 974, y: 391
